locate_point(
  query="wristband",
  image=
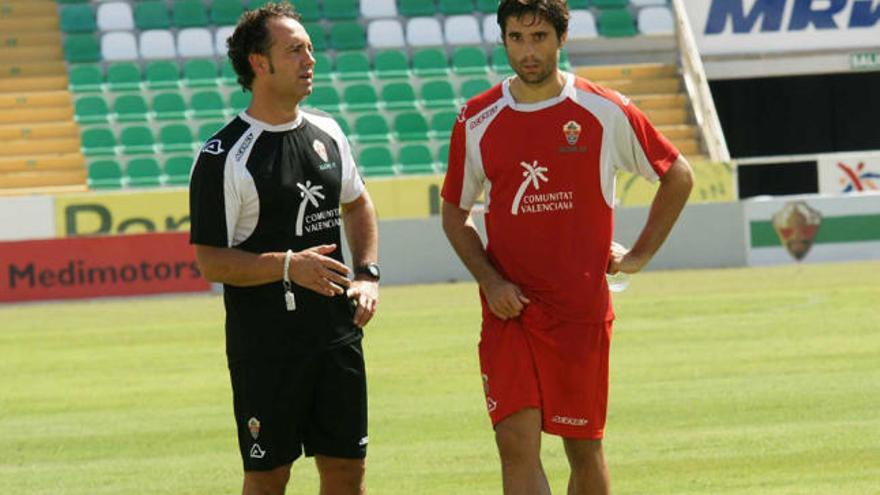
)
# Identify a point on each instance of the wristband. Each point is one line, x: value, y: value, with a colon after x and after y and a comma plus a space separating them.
x: 289, y: 300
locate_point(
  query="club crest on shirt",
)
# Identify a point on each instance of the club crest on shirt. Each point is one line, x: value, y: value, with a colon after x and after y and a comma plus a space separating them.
x: 320, y: 149
x: 572, y: 131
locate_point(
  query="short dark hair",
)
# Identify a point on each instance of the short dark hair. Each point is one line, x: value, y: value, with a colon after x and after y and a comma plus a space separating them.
x: 252, y: 36
x: 554, y: 12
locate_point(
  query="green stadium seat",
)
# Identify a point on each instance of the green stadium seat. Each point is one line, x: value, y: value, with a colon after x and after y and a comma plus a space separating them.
x: 360, y: 98
x: 610, y: 4
x: 616, y: 23
x: 104, y: 174
x: 371, y: 128
x: 391, y: 64
x: 130, y: 108
x: 82, y: 48
x: 189, y: 13
x: 208, y: 129
x: 227, y: 12
x: 469, y: 60
x: 324, y: 98
x: 399, y: 96
x: 410, y: 126
x: 564, y: 63
x: 175, y: 137
x: 227, y: 73
x: 438, y: 94
x: 323, y: 67
x: 348, y: 36
x: 487, y: 6
x: 124, y: 76
x: 309, y: 10
x: 352, y: 66
x: 151, y: 14
x: 500, y: 63
x: 98, y: 141
x: 430, y: 62
x: 318, y: 35
x: 85, y: 78
x: 137, y: 139
x: 169, y: 106
x: 452, y: 7
x: 473, y: 87
x: 207, y: 105
x: 415, y: 159
x: 416, y: 8
x: 200, y: 73
x: 91, y: 110
x: 177, y: 170
x: 143, y: 172
x: 341, y: 9
x: 579, y: 4
x: 441, y: 125
x: 239, y: 100
x: 162, y: 74
x: 343, y: 124
x: 78, y: 19
x: 442, y: 157
x: 376, y: 161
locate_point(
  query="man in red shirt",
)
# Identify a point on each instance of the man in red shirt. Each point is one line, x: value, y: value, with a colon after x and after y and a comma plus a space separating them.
x: 543, y: 147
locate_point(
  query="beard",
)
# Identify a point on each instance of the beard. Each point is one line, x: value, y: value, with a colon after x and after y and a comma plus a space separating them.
x: 539, y: 77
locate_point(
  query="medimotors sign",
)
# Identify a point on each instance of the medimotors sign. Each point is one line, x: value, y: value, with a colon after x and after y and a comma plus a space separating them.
x: 766, y: 26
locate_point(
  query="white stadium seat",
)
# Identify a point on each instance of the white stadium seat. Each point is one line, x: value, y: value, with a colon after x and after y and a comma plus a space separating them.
x: 385, y: 33
x: 423, y: 31
x: 491, y: 30
x: 220, y: 36
x: 195, y: 42
x: 157, y: 43
x: 582, y: 24
x: 114, y: 16
x: 462, y: 30
x: 119, y: 45
x: 372, y: 9
x: 656, y: 20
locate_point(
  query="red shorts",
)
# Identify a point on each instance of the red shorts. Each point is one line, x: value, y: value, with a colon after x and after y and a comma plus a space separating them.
x: 559, y: 367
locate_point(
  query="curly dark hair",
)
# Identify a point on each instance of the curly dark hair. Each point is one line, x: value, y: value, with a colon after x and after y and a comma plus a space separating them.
x: 252, y: 36
x: 554, y: 12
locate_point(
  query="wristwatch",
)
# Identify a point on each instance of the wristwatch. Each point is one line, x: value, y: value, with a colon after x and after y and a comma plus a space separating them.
x: 371, y: 270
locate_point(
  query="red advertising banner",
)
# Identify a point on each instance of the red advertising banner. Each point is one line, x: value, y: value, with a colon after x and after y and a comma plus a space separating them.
x: 81, y: 267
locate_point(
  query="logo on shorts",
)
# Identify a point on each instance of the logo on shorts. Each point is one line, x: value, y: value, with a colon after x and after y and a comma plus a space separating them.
x: 486, y: 384
x: 491, y: 404
x: 364, y: 441
x: 257, y: 452
x: 564, y: 420
x: 254, y: 427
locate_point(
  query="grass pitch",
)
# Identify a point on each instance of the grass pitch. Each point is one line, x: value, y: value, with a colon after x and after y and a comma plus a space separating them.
x: 762, y: 381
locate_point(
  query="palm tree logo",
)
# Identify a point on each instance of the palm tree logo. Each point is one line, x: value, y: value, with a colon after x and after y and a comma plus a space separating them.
x: 309, y: 194
x: 533, y: 174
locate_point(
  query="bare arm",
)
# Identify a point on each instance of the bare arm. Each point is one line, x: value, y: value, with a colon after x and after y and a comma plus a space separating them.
x: 505, y: 299
x: 359, y: 218
x: 309, y: 268
x: 675, y: 187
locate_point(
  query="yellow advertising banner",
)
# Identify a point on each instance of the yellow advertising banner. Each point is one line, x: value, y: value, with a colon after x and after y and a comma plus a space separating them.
x: 121, y: 213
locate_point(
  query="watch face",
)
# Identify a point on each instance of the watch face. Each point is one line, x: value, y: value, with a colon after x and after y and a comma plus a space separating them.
x: 373, y: 270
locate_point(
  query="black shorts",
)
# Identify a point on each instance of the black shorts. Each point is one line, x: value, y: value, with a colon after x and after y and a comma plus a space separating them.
x: 316, y: 403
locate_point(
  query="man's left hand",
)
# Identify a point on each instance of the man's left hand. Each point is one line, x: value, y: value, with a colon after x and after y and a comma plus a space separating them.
x: 366, y: 294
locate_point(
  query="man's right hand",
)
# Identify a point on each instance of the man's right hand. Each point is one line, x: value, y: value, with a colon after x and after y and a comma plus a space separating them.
x: 505, y: 299
x: 310, y: 268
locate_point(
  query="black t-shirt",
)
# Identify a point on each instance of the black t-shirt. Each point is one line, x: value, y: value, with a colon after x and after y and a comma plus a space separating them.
x: 263, y: 188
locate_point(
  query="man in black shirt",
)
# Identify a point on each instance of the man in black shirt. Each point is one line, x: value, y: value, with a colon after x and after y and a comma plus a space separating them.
x: 265, y: 199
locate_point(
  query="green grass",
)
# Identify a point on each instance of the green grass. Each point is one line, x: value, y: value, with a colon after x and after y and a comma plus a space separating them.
x: 762, y: 381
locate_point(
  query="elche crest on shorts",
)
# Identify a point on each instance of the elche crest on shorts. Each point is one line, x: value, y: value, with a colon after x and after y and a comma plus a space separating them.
x: 535, y: 175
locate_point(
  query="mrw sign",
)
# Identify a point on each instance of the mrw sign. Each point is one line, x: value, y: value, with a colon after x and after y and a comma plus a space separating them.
x: 762, y: 26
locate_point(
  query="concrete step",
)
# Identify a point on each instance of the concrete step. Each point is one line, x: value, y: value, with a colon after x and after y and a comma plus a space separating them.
x: 20, y: 9
x: 634, y: 71
x: 28, y: 84
x: 668, y: 116
x: 633, y: 87
x: 22, y: 147
x: 10, y: 41
x: 688, y: 147
x: 23, y: 54
x: 28, y: 24
x: 46, y: 99
x: 654, y: 101
x: 679, y: 131
x: 32, y: 69
x: 49, y: 130
x: 54, y: 161
x: 43, y: 179
x: 34, y: 115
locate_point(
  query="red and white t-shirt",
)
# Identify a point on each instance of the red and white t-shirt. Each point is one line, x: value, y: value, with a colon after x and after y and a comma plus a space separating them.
x: 548, y: 171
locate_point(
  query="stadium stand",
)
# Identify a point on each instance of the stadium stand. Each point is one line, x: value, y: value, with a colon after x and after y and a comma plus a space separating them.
x: 150, y: 77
